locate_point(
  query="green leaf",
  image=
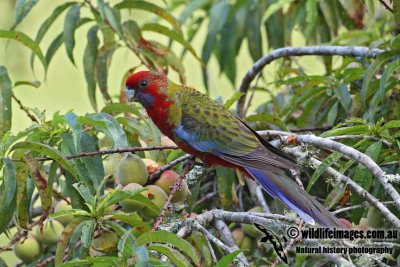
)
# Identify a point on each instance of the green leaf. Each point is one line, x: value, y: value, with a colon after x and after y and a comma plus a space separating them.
x: 117, y: 196
x: 343, y: 94
x: 48, y: 151
x: 26, y: 41
x: 173, y: 255
x: 102, y: 64
x: 396, y: 11
x: 142, y: 256
x: 275, y: 31
x: 8, y: 191
x: 111, y: 128
x: 22, y: 200
x: 173, y: 35
x: 387, y: 73
x: 311, y: 18
x: 382, y: 58
x: 275, y: 7
x: 47, y: 24
x: 358, y: 129
x: 70, y: 24
x: 132, y: 32
x: 126, y: 245
x: 391, y: 124
x: 41, y: 182
x: 253, y: 31
x: 263, y: 117
x: 142, y: 5
x: 363, y: 177
x: 55, y: 44
x: 87, y: 233
x: 135, y: 223
x: 117, y: 108
x: 22, y: 8
x: 169, y: 238
x: 98, y: 261
x: 218, y: 15
x: 225, y: 179
x: 62, y: 243
x: 233, y: 99
x: 33, y: 83
x: 89, y: 63
x: 326, y: 163
x: 228, y: 259
x: 114, y: 18
x: 5, y: 101
x: 74, y: 212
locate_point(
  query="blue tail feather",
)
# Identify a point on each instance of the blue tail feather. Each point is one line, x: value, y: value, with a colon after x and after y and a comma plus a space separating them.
x: 287, y: 191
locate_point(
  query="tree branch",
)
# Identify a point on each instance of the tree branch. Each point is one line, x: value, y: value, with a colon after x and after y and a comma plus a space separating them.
x: 348, y: 151
x: 350, y: 51
x: 227, y: 237
x: 354, y: 186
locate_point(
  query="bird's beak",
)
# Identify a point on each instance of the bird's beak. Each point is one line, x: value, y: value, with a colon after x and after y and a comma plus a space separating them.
x: 130, y: 94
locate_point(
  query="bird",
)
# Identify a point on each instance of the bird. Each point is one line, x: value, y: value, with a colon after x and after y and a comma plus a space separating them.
x: 207, y: 130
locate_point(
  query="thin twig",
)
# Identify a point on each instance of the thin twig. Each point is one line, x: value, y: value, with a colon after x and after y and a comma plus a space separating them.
x: 227, y: 238
x: 25, y: 109
x: 175, y: 188
x: 112, y: 151
x: 153, y: 177
x: 351, y: 51
x: 386, y: 5
x: 363, y: 205
x: 261, y: 200
x: 252, y: 94
x: 218, y: 242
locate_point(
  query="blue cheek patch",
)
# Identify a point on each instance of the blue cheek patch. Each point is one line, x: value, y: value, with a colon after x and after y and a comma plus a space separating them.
x: 146, y: 99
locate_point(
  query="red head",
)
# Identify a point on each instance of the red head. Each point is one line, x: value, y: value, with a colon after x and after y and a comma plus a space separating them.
x: 145, y: 87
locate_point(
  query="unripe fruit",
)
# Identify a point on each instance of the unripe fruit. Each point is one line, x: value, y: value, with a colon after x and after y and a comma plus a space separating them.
x: 251, y: 230
x: 52, y: 231
x: 63, y: 205
x: 107, y: 242
x: 28, y: 250
x: 167, y: 180
x: 131, y: 169
x: 130, y: 205
x: 151, y: 165
x: 158, y: 197
x: 110, y: 164
x: 238, y: 235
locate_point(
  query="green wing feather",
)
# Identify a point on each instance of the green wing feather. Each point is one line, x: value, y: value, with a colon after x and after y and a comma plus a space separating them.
x: 208, y: 127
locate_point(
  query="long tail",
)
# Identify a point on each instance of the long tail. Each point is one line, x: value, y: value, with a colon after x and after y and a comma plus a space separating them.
x: 287, y: 191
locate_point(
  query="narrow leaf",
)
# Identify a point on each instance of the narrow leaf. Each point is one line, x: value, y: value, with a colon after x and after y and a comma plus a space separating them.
x: 8, y: 190
x: 176, y: 36
x: 26, y: 41
x: 89, y: 63
x: 5, y: 101
x: 70, y: 24
x: 150, y: 8
x: 22, y: 8
x: 169, y: 238
x: 48, y: 151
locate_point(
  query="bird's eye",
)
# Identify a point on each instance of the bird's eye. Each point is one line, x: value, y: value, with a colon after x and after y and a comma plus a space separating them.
x: 143, y: 83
